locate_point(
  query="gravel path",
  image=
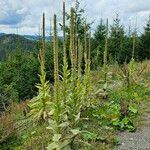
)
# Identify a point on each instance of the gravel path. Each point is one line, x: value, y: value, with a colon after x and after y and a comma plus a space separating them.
x: 140, y: 140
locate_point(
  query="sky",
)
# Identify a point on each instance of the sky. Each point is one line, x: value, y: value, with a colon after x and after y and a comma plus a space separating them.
x: 24, y: 16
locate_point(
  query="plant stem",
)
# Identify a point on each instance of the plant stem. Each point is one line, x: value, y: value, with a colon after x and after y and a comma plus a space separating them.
x: 72, y: 41
x: 56, y: 76
x: 106, y: 53
x: 43, y: 40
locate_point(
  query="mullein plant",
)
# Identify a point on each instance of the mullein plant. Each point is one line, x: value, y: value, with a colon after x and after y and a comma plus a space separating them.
x: 56, y: 75
x: 72, y: 43
x: 105, y: 53
x: 73, y: 99
x: 75, y: 31
x: 66, y: 72
x: 57, y: 122
x: 129, y: 69
x: 132, y: 61
x: 131, y: 66
x: 40, y: 104
x: 63, y: 112
x: 103, y: 92
x: 87, y: 51
x: 79, y: 87
x: 79, y: 79
x: 70, y: 94
x: 80, y: 84
x: 60, y: 126
x: 105, y: 62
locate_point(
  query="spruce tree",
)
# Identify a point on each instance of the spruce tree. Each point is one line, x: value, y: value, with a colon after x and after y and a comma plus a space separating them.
x: 117, y: 37
x: 144, y: 51
x: 98, y: 44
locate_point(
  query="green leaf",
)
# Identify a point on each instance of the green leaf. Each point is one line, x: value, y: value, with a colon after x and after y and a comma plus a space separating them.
x: 64, y: 144
x: 34, y: 132
x: 125, y: 121
x: 51, y: 112
x: 75, y: 131
x: 52, y: 125
x: 56, y: 137
x: 115, y: 122
x: 89, y: 136
x: 53, y: 146
x: 64, y: 124
x: 77, y: 117
x: 102, y: 139
x: 117, y: 141
x: 105, y: 86
x: 133, y: 109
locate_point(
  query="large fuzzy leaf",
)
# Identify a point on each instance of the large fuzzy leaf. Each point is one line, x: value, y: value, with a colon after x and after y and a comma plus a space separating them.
x: 56, y: 137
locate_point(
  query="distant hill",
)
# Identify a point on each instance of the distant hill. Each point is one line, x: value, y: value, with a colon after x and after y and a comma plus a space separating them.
x: 10, y: 42
x: 36, y: 38
x: 1, y: 34
x: 33, y: 37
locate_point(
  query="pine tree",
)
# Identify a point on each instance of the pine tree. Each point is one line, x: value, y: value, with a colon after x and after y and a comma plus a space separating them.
x: 117, y: 38
x: 144, y: 51
x: 98, y: 44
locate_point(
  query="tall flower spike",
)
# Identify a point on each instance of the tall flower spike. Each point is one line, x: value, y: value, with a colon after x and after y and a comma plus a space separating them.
x: 56, y: 77
x: 80, y: 53
x: 65, y: 63
x: 64, y: 30
x: 85, y: 42
x: 43, y: 39
x: 134, y: 41
x: 72, y: 41
x: 106, y: 51
x: 89, y: 52
x: 76, y: 33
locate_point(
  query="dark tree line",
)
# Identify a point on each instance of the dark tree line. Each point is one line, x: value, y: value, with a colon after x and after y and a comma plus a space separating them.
x: 120, y: 43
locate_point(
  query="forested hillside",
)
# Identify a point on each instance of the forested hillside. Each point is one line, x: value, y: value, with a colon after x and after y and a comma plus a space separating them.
x: 11, y: 42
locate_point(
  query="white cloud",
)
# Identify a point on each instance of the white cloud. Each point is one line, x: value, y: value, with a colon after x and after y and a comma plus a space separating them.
x: 26, y: 14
